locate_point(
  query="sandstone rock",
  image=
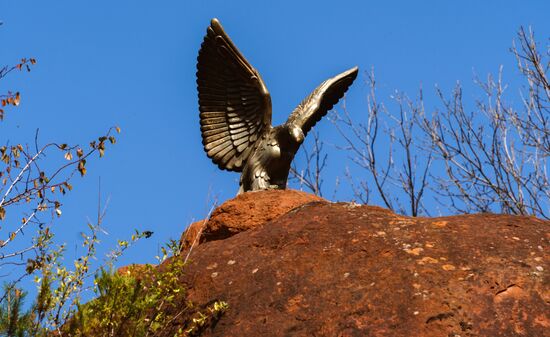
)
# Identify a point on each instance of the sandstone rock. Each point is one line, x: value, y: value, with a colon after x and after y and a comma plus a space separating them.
x: 347, y: 270
x: 244, y: 212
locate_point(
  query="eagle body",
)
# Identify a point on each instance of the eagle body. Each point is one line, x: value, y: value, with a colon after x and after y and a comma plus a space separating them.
x: 235, y: 114
x: 269, y: 164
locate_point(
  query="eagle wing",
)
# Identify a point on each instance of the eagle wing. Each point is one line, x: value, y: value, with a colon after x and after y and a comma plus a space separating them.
x: 234, y: 104
x: 321, y: 100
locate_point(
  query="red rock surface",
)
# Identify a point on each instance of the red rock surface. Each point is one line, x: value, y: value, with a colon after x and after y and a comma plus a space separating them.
x: 342, y: 269
x: 246, y: 211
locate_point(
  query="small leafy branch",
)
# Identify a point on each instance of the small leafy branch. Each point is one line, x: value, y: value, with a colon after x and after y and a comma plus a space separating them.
x: 11, y: 98
x: 30, y: 192
x: 26, y: 183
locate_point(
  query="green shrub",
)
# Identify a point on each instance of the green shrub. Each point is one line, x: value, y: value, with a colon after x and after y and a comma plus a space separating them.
x: 141, y: 300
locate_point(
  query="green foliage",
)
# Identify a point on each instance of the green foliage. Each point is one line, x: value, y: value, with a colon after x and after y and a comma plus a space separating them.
x: 141, y: 300
x: 120, y: 308
x: 16, y: 322
x: 202, y: 320
x: 12, y: 321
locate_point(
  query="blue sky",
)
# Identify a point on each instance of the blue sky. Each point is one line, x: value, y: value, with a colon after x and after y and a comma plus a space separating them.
x: 132, y: 64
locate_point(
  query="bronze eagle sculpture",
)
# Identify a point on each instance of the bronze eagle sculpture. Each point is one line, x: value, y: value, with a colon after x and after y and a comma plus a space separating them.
x: 235, y: 114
